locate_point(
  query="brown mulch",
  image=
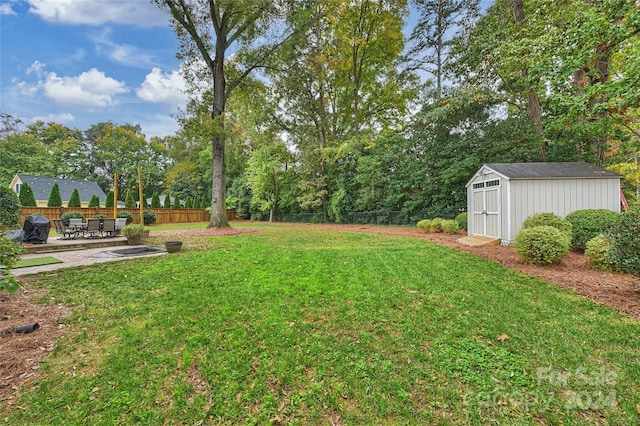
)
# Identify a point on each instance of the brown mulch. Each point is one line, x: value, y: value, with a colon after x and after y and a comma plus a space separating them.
x: 20, y: 353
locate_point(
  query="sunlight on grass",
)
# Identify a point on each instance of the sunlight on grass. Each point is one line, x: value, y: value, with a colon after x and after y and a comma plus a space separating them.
x: 310, y: 326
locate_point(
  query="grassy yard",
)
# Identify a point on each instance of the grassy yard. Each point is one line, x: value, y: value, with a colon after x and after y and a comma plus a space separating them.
x: 308, y: 326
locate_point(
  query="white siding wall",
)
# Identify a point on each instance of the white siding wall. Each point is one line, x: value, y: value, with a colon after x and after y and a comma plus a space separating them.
x: 559, y: 196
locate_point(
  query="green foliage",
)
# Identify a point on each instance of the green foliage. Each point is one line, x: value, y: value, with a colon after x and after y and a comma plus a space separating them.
x: 424, y: 225
x: 450, y: 226
x: 625, y: 240
x: 9, y: 209
x: 176, y: 202
x: 100, y: 216
x: 588, y: 224
x: 74, y: 200
x: 155, y: 200
x: 70, y: 215
x: 188, y: 204
x: 597, y: 253
x: 129, y: 201
x: 9, y: 254
x: 132, y: 230
x: 548, y: 219
x: 26, y: 196
x: 109, y: 201
x: 462, y: 220
x: 167, y: 201
x: 149, y: 217
x: 126, y: 214
x: 95, y: 201
x: 55, y: 199
x: 436, y: 224
x: 542, y: 245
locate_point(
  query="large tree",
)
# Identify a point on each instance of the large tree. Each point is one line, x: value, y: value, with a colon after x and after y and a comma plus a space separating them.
x: 207, y: 30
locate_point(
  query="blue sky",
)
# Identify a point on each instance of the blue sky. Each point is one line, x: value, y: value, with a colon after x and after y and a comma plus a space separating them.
x: 81, y: 62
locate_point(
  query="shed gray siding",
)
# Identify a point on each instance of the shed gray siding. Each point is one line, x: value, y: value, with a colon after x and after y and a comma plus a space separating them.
x: 524, y: 190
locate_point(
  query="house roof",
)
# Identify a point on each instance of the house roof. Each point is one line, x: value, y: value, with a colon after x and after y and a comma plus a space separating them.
x: 576, y: 170
x: 42, y: 186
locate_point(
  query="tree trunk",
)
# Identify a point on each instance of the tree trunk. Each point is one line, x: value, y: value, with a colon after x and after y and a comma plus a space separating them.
x: 533, y: 102
x: 218, y: 184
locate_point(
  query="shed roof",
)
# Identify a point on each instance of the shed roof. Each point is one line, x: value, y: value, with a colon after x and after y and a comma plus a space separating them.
x: 575, y: 170
x: 42, y: 186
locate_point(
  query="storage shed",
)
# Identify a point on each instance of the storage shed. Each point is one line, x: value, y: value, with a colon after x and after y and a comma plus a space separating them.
x: 501, y: 196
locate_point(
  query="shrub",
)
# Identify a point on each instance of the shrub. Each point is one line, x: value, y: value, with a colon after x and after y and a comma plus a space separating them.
x: 128, y: 215
x: 548, y: 219
x: 100, y: 216
x: 597, y: 253
x: 149, y: 217
x: 74, y: 200
x: 95, y: 201
x: 55, y: 199
x: 424, y: 225
x: 109, y: 201
x: 625, y: 242
x: 129, y: 201
x: 542, y: 245
x: 167, y: 201
x: 176, y: 203
x: 436, y: 224
x: 70, y: 215
x: 26, y: 197
x: 132, y: 230
x: 9, y: 208
x: 450, y: 226
x: 588, y: 224
x: 9, y: 254
x: 462, y: 220
x: 155, y: 200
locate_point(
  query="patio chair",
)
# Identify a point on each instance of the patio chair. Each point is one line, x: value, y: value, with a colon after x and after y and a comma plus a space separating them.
x: 68, y: 233
x: 109, y: 227
x: 93, y: 228
x: 121, y: 222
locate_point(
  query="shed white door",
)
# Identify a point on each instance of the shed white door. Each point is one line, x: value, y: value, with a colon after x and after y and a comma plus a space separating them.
x: 486, y: 208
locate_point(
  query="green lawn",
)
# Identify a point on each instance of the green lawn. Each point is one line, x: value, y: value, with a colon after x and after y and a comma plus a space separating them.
x: 308, y: 326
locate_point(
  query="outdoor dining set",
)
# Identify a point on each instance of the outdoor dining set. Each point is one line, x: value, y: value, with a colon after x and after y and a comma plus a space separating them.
x: 92, y: 228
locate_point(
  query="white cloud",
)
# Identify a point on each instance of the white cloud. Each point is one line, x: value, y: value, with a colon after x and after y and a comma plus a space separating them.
x: 54, y: 118
x: 125, y: 54
x: 92, y: 89
x: 97, y: 12
x: 160, y: 87
x: 5, y: 9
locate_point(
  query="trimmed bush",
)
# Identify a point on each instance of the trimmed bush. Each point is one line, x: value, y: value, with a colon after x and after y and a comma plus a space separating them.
x: 548, y: 219
x: 176, y: 203
x: 149, y: 217
x: 436, y: 224
x: 167, y: 201
x: 109, y: 201
x: 70, y: 215
x: 129, y: 201
x: 55, y: 199
x: 26, y: 197
x: 128, y: 215
x: 94, y: 202
x: 100, y: 216
x: 588, y: 224
x: 155, y: 200
x: 625, y: 242
x: 462, y: 220
x: 542, y: 245
x: 597, y: 254
x: 9, y: 208
x: 424, y: 225
x: 74, y: 200
x: 450, y: 226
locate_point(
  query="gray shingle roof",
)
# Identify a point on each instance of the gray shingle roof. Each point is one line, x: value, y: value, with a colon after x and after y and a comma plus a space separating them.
x: 551, y: 170
x: 42, y: 186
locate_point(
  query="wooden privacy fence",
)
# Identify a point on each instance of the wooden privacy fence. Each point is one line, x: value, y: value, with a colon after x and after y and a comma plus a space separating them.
x: 163, y: 216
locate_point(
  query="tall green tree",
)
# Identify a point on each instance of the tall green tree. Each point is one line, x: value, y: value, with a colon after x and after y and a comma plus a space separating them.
x: 55, y: 199
x: 26, y: 196
x: 207, y: 29
x: 129, y: 200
